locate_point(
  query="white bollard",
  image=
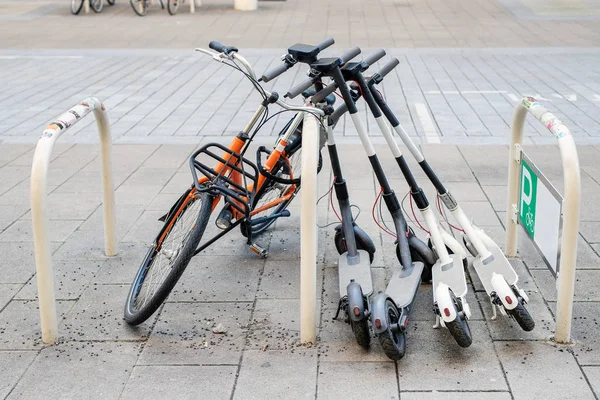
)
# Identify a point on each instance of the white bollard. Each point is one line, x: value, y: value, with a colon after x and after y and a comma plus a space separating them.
x: 39, y: 215
x: 308, y: 230
x: 245, y: 5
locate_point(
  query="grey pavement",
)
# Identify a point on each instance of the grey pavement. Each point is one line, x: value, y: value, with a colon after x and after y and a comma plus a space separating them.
x: 176, y: 355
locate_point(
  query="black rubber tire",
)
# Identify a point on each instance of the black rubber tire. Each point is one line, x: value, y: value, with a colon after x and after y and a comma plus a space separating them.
x: 135, y: 316
x: 361, y: 332
x: 74, y: 8
x: 459, y: 328
x: 97, y: 5
x: 111, y: 2
x: 135, y: 4
x: 522, y: 316
x: 173, y: 6
x: 393, y: 344
x: 340, y: 245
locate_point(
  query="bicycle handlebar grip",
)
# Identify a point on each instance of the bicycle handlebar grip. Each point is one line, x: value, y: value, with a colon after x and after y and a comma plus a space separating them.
x: 350, y: 54
x: 216, y: 46
x: 387, y: 68
x: 275, y: 72
x: 319, y: 97
x: 325, y: 43
x: 301, y: 87
x: 373, y: 58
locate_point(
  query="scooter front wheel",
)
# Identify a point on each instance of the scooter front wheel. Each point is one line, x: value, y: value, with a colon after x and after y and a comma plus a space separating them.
x: 459, y: 328
x: 522, y: 316
x: 393, y: 339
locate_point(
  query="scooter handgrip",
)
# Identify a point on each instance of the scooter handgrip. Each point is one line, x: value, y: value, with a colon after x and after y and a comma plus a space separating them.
x: 275, y: 72
x: 390, y: 65
x: 301, y: 87
x: 319, y: 97
x: 325, y: 43
x: 350, y: 54
x: 373, y: 58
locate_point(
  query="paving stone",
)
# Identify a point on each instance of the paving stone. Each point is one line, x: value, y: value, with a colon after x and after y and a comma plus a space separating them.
x: 10, y: 214
x: 7, y: 291
x: 13, y: 364
x: 180, y: 382
x: 98, y: 315
x: 434, y: 354
x: 72, y: 370
x: 281, y: 280
x: 122, y: 267
x: 22, y: 231
x: 441, y: 395
x: 338, y: 380
x: 593, y: 376
x: 219, y: 278
x: 20, y: 324
x: 126, y: 217
x: 276, y: 374
x: 560, y: 377
x: 184, y: 334
x: 586, y: 282
x: 70, y: 279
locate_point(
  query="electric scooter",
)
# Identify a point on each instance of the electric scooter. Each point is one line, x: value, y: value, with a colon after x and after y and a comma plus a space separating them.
x: 389, y: 315
x: 498, y: 277
x: 355, y: 247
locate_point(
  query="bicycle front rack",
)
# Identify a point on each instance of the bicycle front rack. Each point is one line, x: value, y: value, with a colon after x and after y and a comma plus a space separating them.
x: 220, y: 181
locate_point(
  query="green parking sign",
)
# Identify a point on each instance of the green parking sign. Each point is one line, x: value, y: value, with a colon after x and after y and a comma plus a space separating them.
x: 527, y: 198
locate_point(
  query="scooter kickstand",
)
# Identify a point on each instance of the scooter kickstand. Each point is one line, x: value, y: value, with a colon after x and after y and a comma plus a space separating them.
x: 437, y: 322
x: 494, y: 312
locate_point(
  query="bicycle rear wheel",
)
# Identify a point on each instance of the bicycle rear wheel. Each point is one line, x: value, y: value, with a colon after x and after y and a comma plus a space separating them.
x: 76, y: 6
x: 97, y: 5
x: 139, y: 6
x: 173, y: 6
x: 168, y: 257
x: 288, y: 166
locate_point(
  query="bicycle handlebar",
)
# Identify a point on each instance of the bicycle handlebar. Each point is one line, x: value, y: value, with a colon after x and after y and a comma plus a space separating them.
x: 216, y: 46
x: 373, y: 58
x: 299, y: 88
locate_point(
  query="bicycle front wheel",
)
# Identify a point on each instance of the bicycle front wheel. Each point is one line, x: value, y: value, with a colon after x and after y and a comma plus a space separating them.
x: 168, y: 257
x: 76, y: 6
x: 173, y: 6
x: 139, y: 6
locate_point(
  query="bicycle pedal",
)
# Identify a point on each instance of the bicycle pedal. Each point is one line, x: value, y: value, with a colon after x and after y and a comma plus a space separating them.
x: 261, y: 252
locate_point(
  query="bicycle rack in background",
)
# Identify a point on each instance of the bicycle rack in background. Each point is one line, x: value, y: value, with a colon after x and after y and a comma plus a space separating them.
x: 308, y: 229
x: 570, y: 206
x: 39, y: 174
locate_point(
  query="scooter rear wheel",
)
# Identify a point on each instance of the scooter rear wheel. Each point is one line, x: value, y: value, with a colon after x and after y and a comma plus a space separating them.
x: 522, y: 316
x: 361, y: 332
x: 459, y: 328
x: 393, y: 341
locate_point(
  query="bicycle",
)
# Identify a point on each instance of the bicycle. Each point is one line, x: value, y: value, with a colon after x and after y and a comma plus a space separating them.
x: 173, y: 5
x: 253, y: 195
x: 96, y: 5
x: 141, y: 6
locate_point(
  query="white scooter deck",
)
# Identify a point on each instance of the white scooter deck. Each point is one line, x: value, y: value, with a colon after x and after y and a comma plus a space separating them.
x: 452, y: 275
x: 361, y: 273
x: 500, y: 265
x: 402, y: 289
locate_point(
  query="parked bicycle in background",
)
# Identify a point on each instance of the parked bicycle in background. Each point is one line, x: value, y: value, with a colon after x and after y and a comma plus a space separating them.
x: 96, y: 5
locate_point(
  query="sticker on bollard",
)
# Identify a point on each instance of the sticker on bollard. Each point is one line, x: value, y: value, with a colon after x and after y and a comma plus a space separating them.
x: 540, y: 212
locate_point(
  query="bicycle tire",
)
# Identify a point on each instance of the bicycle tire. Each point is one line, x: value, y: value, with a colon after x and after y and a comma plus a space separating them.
x: 173, y: 6
x: 135, y: 4
x: 111, y: 2
x: 136, y: 314
x: 97, y: 5
x: 74, y: 9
